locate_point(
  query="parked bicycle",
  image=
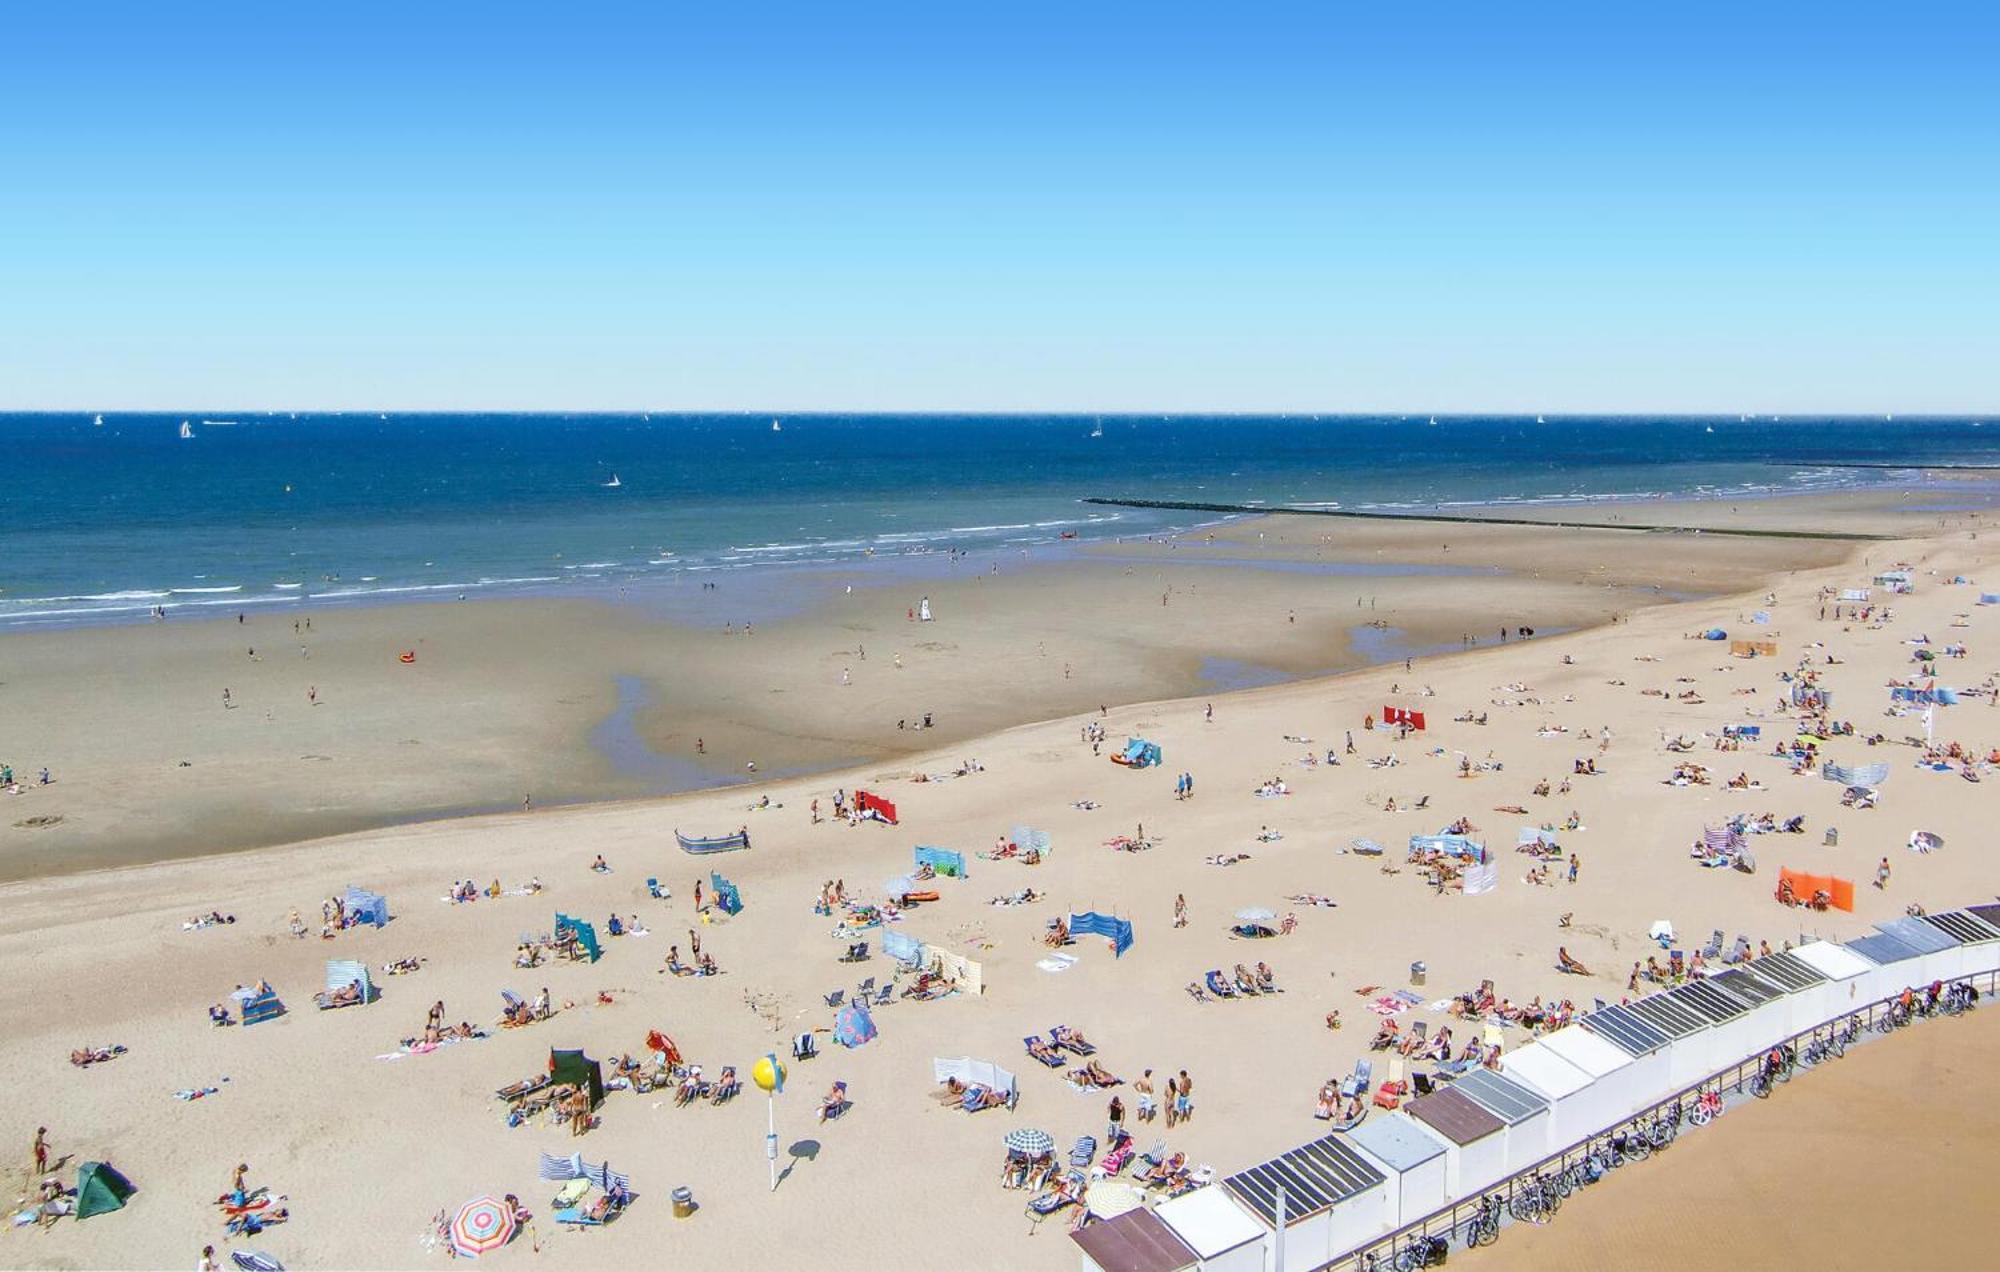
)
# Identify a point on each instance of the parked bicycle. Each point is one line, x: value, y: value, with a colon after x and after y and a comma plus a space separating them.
x: 1960, y: 998
x: 1707, y: 1107
x: 1422, y: 1252
x: 1484, y: 1227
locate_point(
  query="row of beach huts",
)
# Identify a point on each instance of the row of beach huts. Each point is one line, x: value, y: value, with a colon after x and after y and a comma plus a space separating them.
x: 1345, y: 1193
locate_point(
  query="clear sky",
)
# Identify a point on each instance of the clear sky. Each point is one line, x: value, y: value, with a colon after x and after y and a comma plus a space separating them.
x: 1319, y: 207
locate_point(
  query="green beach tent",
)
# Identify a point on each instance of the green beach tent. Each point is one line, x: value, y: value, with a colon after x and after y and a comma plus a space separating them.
x: 100, y: 1189
x: 578, y: 1069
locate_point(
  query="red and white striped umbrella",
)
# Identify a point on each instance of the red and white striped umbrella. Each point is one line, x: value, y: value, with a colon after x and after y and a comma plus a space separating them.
x: 482, y: 1224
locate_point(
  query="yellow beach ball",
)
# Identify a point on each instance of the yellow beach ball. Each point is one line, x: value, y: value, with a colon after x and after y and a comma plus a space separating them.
x: 768, y: 1074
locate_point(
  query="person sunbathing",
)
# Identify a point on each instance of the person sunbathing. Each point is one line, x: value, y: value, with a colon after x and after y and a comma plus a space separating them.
x: 1567, y: 964
x: 1058, y: 934
x: 1267, y: 980
x: 1094, y: 1074
x: 833, y: 1102
x: 1245, y: 983
x: 1385, y: 1037
x: 219, y: 1015
x: 726, y: 1085
x: 708, y: 967
x: 1165, y: 1171
x: 1329, y: 1100
x: 348, y: 995
x: 1043, y: 1051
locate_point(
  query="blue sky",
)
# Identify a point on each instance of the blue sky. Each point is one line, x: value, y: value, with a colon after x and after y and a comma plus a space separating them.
x: 1164, y: 207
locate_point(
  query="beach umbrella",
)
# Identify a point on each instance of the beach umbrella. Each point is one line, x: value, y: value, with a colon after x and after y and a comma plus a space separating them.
x: 853, y: 1027
x: 481, y: 1224
x: 1029, y: 1141
x: 1255, y: 914
x: 1109, y: 1198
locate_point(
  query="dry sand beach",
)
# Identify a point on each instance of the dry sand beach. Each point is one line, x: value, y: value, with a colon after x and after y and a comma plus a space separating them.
x: 367, y: 1141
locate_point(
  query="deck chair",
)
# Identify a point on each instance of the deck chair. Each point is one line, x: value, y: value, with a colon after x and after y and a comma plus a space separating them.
x: 885, y: 995
x: 1083, y: 1151
x: 1423, y: 803
x: 1418, y: 1035
x: 1713, y: 950
x: 1740, y: 952
x: 856, y: 953
x: 1219, y: 985
x: 804, y: 1048
x: 864, y: 990
x: 1359, y: 1081
x: 1030, y: 1043
x: 837, y: 997
x: 570, y: 1193
x: 653, y: 890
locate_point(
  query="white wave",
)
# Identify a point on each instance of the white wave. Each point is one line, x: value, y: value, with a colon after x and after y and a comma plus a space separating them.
x: 988, y: 529
x: 203, y: 591
x: 593, y: 565
x: 96, y: 596
x: 289, y: 587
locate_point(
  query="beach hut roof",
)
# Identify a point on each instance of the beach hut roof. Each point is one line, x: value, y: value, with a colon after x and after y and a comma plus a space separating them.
x: 1882, y: 949
x: 1501, y: 1096
x: 1745, y: 986
x: 1787, y: 971
x: 1964, y: 927
x: 1837, y: 961
x: 1918, y: 935
x: 1210, y: 1222
x: 1315, y: 1177
x: 1674, y: 1019
x: 1621, y: 1029
x: 1710, y: 1001
x: 1134, y: 1242
x: 1537, y: 1066
x: 1456, y: 1116
x: 1988, y: 914
x: 1605, y: 1041
x: 1397, y: 1141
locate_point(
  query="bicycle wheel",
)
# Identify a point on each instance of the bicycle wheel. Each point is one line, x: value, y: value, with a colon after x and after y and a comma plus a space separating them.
x: 1488, y: 1232
x: 1701, y: 1116
x: 1760, y: 1086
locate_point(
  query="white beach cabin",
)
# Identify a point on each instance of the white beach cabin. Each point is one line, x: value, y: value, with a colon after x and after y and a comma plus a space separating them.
x: 1413, y: 1159
x: 1221, y: 1233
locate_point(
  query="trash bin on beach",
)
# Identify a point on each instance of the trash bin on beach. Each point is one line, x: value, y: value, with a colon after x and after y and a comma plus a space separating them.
x: 1833, y: 836
x: 683, y: 1202
x: 1417, y: 971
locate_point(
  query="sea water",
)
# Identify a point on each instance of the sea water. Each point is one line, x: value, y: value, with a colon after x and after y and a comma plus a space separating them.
x: 104, y: 523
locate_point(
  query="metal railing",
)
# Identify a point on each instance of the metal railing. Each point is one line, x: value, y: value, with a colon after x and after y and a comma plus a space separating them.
x: 1449, y: 1220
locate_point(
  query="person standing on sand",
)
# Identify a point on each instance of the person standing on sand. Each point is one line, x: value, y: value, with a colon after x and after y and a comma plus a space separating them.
x: 225, y: 698
x: 1115, y: 1121
x: 1180, y: 916
x: 697, y: 896
x: 1574, y: 862
x: 208, y: 1263
x: 1882, y: 875
x: 41, y: 1151
x: 312, y: 695
x: 1187, y: 1096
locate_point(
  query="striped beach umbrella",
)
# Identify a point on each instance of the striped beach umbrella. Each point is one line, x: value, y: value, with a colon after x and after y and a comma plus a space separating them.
x: 1109, y: 1198
x: 481, y: 1224
x: 1028, y: 1140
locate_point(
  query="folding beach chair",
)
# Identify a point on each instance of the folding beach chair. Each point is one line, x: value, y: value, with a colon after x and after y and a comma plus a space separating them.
x: 1357, y: 1082
x: 837, y: 997
x: 1713, y: 950
x: 864, y: 990
x: 885, y: 995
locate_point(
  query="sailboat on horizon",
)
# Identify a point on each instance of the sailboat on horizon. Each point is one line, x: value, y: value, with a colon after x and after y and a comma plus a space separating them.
x: 777, y: 427
x: 614, y: 483
x: 187, y: 431
x: 1097, y: 428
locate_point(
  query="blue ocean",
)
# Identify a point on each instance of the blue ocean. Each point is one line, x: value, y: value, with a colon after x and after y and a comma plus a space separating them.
x: 101, y: 522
